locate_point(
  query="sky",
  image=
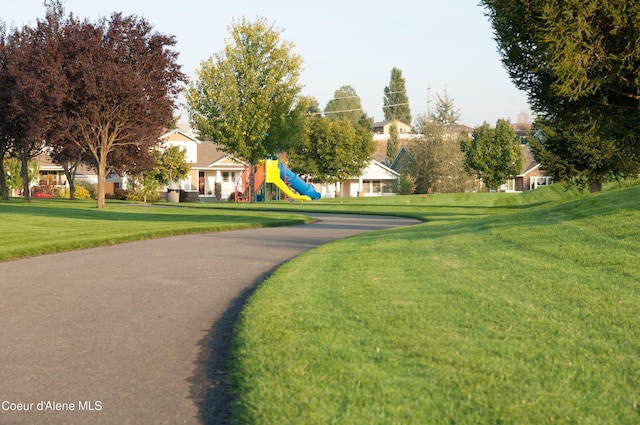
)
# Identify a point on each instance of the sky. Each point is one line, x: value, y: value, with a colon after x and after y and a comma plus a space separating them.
x: 438, y: 45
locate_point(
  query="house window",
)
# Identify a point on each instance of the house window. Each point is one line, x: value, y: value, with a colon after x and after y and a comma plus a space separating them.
x: 374, y: 186
x: 50, y: 178
x: 387, y: 186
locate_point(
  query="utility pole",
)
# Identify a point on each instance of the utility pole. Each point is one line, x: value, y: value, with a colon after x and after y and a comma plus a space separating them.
x: 428, y: 104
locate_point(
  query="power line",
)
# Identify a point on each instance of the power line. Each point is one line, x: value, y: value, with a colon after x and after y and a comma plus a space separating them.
x: 397, y: 104
x: 336, y: 112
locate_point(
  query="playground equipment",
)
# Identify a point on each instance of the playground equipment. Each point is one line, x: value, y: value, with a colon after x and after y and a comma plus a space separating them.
x: 275, y: 172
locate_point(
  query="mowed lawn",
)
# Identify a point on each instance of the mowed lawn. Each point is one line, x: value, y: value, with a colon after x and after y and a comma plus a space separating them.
x: 501, y: 308
x: 51, y: 225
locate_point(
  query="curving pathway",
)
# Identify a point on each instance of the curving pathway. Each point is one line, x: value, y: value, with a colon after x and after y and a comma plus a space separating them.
x: 138, y: 333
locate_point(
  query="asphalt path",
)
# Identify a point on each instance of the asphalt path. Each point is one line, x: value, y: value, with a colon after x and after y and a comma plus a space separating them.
x: 139, y: 333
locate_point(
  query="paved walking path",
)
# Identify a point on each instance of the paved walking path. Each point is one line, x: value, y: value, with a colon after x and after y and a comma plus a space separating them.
x: 138, y: 333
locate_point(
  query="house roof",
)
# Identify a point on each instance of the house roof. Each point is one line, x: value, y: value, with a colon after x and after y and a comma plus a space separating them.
x: 402, y: 151
x: 529, y: 163
x: 45, y: 163
x: 383, y: 123
x: 210, y: 154
x: 384, y: 167
x: 178, y: 135
x: 458, y: 129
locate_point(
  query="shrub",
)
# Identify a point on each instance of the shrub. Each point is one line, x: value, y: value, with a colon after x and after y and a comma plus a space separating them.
x: 80, y: 192
x: 120, y: 194
x: 405, y: 185
x: 88, y: 186
x: 50, y: 190
x: 138, y: 196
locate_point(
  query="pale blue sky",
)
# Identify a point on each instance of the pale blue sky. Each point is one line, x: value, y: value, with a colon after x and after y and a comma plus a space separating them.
x: 438, y: 44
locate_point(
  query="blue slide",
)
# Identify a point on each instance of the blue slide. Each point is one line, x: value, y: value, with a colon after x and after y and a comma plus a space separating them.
x: 297, y: 184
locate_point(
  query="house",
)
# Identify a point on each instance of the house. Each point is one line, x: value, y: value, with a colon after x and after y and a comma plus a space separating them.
x: 381, y: 138
x: 384, y: 127
x: 531, y: 176
x: 214, y: 174
x: 404, y: 160
x: 51, y: 177
x: 376, y: 180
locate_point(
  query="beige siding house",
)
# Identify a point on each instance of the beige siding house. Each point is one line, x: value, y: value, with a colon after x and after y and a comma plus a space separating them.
x: 214, y: 173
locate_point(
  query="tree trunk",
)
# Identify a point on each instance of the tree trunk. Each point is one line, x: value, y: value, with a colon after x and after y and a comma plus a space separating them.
x: 102, y: 175
x: 596, y: 184
x: 26, y: 190
x: 252, y: 184
x: 3, y: 179
x: 70, y: 173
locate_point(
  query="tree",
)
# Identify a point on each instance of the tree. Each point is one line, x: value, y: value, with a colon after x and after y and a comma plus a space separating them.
x: 108, y: 87
x: 577, y: 60
x: 171, y: 165
x: 245, y: 97
x: 345, y: 104
x: 12, y: 176
x: 69, y: 156
x: 493, y: 154
x: 5, y: 84
x: 13, y: 170
x: 523, y: 123
x: 438, y: 163
x: 32, y: 86
x: 4, y: 189
x: 445, y: 112
x: 124, y: 84
x: 396, y: 101
x: 332, y: 150
x: 392, y: 142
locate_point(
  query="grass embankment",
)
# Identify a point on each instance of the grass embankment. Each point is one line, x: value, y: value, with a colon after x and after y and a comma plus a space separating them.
x: 54, y: 225
x: 501, y: 309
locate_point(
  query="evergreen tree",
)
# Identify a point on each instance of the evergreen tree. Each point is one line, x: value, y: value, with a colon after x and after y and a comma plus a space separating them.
x: 578, y: 62
x: 396, y: 101
x: 445, y: 111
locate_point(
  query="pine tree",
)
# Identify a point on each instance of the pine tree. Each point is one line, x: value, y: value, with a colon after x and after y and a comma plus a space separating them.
x: 445, y: 111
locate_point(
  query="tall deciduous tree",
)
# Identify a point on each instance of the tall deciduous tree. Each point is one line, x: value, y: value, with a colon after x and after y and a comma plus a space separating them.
x: 438, y: 163
x: 245, y: 97
x: 109, y: 87
x: 4, y: 189
x: 578, y: 62
x: 33, y: 87
x: 395, y: 101
x: 332, y: 150
x: 345, y: 104
x: 493, y: 155
x: 5, y: 138
x: 124, y: 84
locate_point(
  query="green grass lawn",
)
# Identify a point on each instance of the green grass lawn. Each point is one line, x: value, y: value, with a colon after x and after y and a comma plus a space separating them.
x: 52, y: 225
x: 501, y: 308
